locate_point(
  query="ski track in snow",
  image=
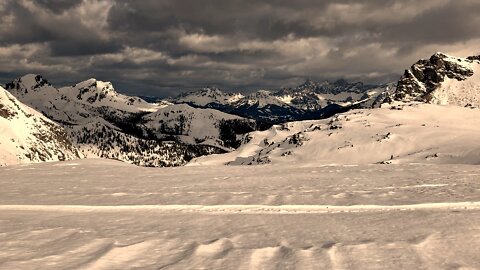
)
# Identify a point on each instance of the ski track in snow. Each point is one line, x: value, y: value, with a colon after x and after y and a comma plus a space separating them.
x: 247, y: 209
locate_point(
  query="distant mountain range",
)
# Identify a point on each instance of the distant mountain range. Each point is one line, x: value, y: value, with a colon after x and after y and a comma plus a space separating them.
x: 310, y: 100
x: 40, y: 122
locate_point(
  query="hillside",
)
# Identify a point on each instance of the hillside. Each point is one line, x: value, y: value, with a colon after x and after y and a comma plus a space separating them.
x: 103, y: 123
x: 401, y: 133
x: 27, y: 136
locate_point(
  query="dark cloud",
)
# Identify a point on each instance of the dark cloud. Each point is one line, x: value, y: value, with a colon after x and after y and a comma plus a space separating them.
x: 161, y: 47
x: 58, y: 6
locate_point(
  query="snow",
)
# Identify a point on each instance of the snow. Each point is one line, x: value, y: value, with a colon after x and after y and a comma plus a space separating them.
x: 198, y: 124
x: 27, y: 136
x: 389, y: 188
x: 76, y: 104
x: 402, y: 133
x: 287, y: 99
x: 457, y: 92
x: 261, y: 99
x: 99, y: 214
x: 112, y: 99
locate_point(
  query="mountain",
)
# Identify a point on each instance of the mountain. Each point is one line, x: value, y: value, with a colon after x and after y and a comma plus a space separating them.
x: 264, y: 106
x: 28, y: 136
x: 195, y: 126
x: 313, y: 96
x: 78, y: 103
x: 399, y: 133
x: 208, y: 96
x: 442, y: 79
x: 310, y: 100
x: 106, y: 124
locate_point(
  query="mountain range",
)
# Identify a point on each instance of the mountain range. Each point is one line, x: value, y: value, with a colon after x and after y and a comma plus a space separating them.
x: 91, y: 119
x: 310, y: 100
x: 103, y: 123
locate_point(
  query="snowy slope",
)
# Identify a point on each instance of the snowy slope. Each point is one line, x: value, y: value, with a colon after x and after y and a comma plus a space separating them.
x: 189, y: 125
x: 103, y: 140
x: 399, y: 134
x: 442, y: 79
x: 27, y: 136
x: 100, y: 214
x: 102, y: 94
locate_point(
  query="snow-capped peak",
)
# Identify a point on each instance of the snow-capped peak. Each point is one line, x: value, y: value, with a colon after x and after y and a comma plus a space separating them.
x: 29, y: 82
x: 208, y: 95
x: 261, y: 99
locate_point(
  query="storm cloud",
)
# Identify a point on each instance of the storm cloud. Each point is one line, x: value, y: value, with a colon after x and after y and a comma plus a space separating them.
x: 164, y: 47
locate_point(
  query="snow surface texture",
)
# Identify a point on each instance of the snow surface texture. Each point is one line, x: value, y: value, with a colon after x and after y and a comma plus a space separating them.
x: 401, y: 133
x: 99, y: 214
x: 28, y: 136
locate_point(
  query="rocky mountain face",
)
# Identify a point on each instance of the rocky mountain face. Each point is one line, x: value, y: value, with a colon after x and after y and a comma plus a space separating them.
x: 310, y: 100
x: 27, y: 136
x: 106, y: 124
x: 442, y: 79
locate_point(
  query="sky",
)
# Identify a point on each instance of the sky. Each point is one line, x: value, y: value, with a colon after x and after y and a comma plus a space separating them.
x: 164, y: 47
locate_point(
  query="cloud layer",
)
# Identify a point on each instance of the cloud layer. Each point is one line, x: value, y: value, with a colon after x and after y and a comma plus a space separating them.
x: 162, y: 47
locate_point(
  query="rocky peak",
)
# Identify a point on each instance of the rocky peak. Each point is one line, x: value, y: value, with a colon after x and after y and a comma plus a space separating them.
x: 94, y: 90
x: 309, y: 84
x: 29, y: 82
x: 212, y: 92
x: 426, y: 75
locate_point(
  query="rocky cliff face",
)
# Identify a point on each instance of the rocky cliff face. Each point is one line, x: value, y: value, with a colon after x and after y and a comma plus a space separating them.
x: 441, y: 79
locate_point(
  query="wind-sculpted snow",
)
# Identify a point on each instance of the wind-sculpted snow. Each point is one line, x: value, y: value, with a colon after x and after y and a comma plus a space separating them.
x: 99, y: 214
